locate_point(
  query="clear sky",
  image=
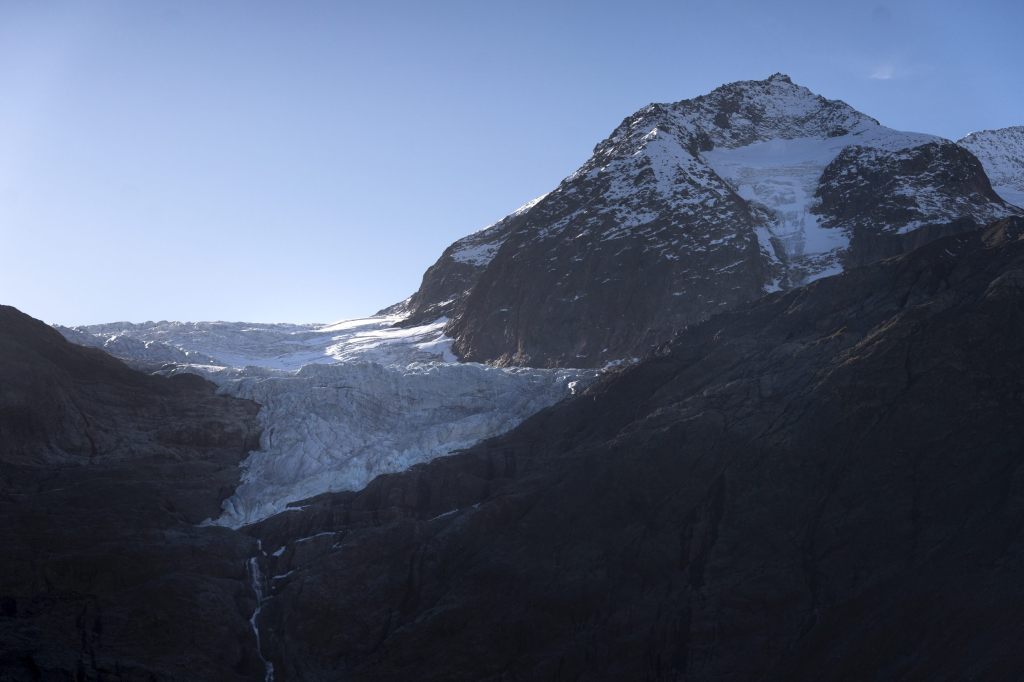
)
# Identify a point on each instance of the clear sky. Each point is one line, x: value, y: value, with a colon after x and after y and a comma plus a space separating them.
x: 306, y: 161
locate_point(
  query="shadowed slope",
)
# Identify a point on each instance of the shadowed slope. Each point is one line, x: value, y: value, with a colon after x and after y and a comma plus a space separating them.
x: 105, y: 472
x: 826, y: 484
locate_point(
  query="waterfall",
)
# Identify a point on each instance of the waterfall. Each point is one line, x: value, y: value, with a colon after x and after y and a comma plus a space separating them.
x: 258, y: 588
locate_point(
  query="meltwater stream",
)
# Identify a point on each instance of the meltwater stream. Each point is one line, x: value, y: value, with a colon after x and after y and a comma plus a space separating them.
x: 259, y: 589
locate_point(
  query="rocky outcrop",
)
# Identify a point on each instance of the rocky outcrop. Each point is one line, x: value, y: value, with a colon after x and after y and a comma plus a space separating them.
x: 901, y: 191
x: 826, y: 484
x: 691, y: 208
x: 105, y: 473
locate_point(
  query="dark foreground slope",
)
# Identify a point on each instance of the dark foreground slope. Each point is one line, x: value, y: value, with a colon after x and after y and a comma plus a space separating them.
x: 826, y: 484
x: 104, y: 473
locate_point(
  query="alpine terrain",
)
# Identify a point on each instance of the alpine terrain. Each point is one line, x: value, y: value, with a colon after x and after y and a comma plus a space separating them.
x: 689, y: 209
x: 741, y: 398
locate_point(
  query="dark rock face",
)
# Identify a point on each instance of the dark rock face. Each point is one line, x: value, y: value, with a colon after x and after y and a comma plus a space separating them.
x: 826, y: 484
x: 678, y: 215
x: 105, y: 473
x: 586, y: 300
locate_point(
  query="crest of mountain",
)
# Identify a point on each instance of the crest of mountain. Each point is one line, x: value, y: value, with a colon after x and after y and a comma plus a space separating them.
x: 691, y: 208
x: 1001, y: 152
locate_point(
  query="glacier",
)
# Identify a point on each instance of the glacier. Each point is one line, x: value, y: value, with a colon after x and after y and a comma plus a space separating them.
x: 781, y: 176
x: 340, y: 403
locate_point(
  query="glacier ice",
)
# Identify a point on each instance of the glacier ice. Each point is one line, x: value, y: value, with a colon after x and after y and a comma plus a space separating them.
x: 335, y: 427
x: 341, y: 403
x: 781, y: 176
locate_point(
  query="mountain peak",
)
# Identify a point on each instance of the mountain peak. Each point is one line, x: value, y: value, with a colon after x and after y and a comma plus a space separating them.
x: 743, y: 112
x: 690, y: 208
x: 1001, y: 151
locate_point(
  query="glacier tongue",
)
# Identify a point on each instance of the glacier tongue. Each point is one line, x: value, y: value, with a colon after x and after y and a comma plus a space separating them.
x: 335, y: 427
x: 341, y: 403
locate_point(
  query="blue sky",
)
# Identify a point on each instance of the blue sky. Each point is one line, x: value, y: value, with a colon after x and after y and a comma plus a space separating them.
x: 306, y: 161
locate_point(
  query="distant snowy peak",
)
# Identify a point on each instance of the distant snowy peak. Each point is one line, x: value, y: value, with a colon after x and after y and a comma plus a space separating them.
x: 1001, y: 152
x: 767, y: 141
x: 689, y: 208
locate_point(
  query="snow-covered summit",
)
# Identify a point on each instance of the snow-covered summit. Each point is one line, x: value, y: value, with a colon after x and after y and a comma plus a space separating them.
x: 742, y: 113
x: 769, y: 142
x: 1001, y: 152
x: 689, y: 208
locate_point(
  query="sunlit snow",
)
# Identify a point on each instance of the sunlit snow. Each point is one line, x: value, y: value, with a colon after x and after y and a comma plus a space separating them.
x: 1001, y: 153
